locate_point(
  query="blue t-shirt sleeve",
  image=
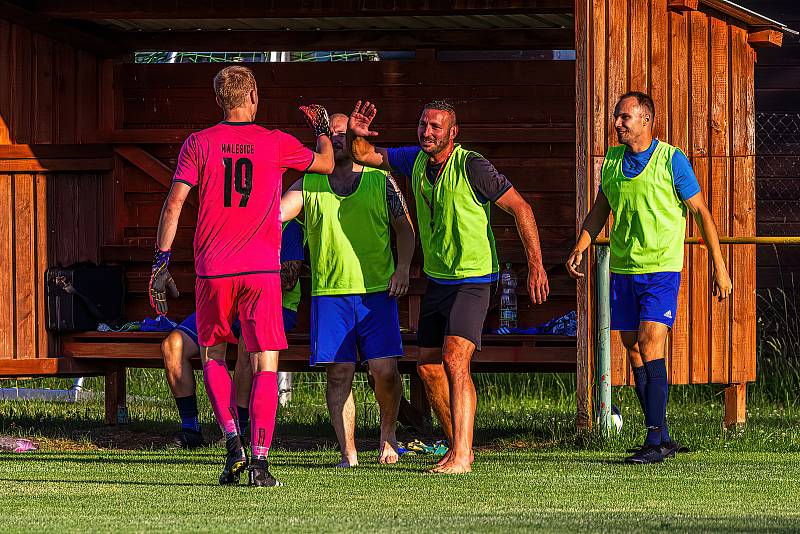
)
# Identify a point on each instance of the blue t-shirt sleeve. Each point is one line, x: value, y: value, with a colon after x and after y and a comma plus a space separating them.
x: 402, y: 159
x: 686, y: 184
x: 292, y: 242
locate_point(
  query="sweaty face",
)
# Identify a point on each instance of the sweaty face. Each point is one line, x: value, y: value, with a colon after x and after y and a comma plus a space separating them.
x: 630, y: 120
x: 433, y: 131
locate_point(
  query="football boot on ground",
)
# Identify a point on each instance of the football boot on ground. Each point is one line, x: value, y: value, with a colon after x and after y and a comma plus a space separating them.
x: 669, y: 448
x: 187, y: 438
x: 235, y: 461
x: 259, y: 475
x: 649, y: 454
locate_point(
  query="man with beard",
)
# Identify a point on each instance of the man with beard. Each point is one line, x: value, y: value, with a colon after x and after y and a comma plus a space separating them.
x: 454, y: 189
x: 647, y: 185
x: 354, y: 285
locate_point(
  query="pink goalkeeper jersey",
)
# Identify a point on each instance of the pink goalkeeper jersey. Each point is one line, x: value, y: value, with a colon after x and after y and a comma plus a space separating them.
x: 238, y: 167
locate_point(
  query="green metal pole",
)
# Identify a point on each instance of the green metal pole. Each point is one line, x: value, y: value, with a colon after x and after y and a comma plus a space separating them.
x: 603, y: 359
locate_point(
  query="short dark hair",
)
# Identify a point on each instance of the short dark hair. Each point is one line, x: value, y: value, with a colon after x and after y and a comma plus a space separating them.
x: 442, y: 105
x: 643, y: 99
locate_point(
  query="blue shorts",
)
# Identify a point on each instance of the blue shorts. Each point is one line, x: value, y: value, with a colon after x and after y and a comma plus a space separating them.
x: 189, y: 325
x: 344, y: 327
x: 643, y: 297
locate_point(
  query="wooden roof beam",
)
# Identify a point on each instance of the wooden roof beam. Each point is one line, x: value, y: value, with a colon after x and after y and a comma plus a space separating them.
x: 41, y: 24
x: 235, y: 41
x: 683, y: 5
x: 766, y: 38
x: 136, y: 9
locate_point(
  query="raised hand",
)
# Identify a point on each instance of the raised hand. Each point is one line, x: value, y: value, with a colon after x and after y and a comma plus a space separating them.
x: 317, y: 119
x: 361, y: 118
x: 161, y: 282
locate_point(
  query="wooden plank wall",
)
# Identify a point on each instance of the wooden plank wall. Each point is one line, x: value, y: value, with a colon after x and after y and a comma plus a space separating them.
x: 48, y: 194
x: 699, y: 71
x: 519, y: 114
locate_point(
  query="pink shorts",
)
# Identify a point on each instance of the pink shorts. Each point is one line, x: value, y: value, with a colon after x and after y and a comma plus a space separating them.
x: 255, y: 298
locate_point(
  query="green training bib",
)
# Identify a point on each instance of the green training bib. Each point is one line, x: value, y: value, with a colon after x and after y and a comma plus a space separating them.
x: 649, y: 218
x: 348, y: 237
x: 457, y: 239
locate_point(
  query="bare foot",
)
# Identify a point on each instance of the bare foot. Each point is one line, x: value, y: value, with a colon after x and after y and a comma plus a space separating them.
x: 446, y: 458
x: 453, y: 468
x: 346, y: 464
x: 389, y: 453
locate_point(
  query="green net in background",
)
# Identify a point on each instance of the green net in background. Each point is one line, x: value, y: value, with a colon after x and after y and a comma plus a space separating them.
x: 255, y: 57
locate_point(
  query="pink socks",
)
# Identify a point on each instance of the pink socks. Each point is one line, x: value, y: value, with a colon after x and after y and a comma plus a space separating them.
x: 263, y: 409
x: 222, y: 394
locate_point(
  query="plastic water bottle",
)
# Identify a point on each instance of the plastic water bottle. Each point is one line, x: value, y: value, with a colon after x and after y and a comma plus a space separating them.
x: 508, y: 300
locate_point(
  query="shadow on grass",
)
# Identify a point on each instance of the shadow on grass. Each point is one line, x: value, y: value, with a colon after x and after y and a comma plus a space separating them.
x: 94, y: 459
x: 114, y: 482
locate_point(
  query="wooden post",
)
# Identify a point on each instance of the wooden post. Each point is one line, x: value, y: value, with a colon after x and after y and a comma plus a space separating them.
x: 735, y: 406
x: 585, y: 33
x: 116, y: 392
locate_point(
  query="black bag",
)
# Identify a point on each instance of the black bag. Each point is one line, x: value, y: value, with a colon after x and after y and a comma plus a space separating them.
x: 81, y: 296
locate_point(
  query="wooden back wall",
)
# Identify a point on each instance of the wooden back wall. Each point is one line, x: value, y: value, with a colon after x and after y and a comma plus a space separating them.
x: 519, y: 114
x: 50, y: 185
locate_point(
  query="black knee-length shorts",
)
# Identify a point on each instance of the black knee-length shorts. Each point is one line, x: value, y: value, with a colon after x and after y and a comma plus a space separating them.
x: 453, y: 310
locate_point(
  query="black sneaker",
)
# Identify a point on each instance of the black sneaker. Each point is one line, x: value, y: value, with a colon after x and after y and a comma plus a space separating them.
x: 235, y: 462
x: 649, y: 454
x: 187, y: 438
x: 669, y: 449
x: 260, y: 476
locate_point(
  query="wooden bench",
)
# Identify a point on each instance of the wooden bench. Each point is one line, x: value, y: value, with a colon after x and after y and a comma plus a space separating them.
x: 111, y: 353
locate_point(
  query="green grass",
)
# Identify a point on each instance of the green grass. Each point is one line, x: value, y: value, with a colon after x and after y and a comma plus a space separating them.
x: 509, y: 491
x: 532, y: 471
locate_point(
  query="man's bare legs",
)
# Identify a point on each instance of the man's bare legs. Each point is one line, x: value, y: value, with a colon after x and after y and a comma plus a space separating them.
x: 430, y: 369
x: 388, y: 390
x: 649, y: 343
x: 177, y: 349
x: 342, y: 409
x: 451, y: 393
x: 341, y: 406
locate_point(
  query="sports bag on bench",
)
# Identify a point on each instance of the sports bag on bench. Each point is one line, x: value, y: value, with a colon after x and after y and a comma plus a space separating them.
x: 83, y: 295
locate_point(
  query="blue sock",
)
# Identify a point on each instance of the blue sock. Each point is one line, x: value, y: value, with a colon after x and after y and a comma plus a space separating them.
x: 665, y: 437
x: 640, y: 382
x: 187, y: 408
x: 244, y: 418
x: 656, y: 392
